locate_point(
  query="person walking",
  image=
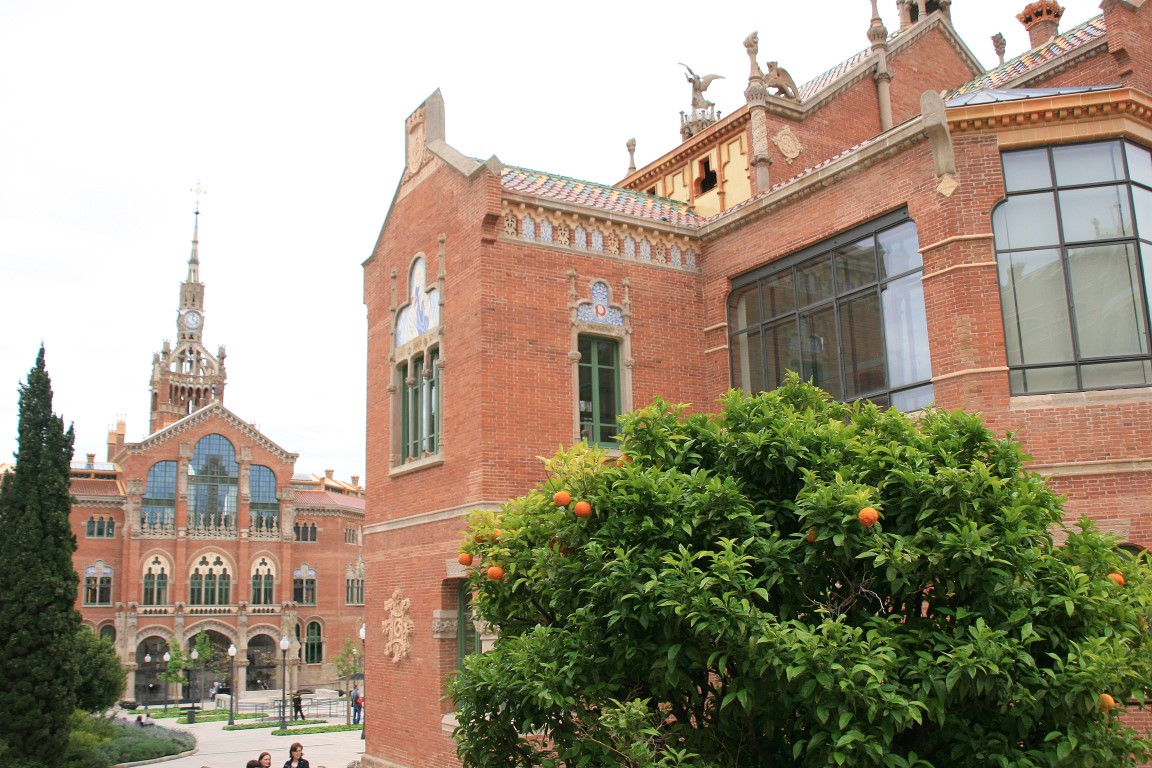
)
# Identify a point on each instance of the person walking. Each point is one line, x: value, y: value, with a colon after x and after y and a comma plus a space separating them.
x: 357, y: 704
x: 297, y: 706
x: 296, y: 757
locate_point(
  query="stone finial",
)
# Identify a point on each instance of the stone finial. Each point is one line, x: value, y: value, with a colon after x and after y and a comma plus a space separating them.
x: 877, y: 32
x: 752, y: 46
x: 1042, y: 20
x: 631, y: 156
x: 1000, y: 45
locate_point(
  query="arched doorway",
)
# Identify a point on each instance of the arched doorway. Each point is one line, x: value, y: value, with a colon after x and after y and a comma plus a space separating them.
x: 150, y: 689
x: 263, y: 663
x: 208, y: 673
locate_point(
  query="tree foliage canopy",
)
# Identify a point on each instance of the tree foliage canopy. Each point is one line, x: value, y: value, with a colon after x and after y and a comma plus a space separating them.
x: 724, y: 605
x: 38, y: 621
x: 101, y: 674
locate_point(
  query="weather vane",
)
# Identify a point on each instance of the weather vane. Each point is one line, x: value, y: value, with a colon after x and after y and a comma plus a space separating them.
x: 198, y: 191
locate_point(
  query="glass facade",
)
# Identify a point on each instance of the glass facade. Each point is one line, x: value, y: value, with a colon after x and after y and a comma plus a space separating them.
x: 847, y: 314
x: 1073, y: 243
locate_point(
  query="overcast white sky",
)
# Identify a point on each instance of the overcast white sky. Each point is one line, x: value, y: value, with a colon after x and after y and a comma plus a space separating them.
x: 291, y: 115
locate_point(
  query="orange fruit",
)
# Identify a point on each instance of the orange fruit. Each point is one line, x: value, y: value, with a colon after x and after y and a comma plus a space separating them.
x: 811, y: 537
x: 465, y: 559
x: 625, y: 459
x: 582, y: 509
x: 562, y: 498
x: 868, y: 517
x: 1117, y: 577
x: 496, y: 534
x: 495, y: 573
x: 1107, y: 703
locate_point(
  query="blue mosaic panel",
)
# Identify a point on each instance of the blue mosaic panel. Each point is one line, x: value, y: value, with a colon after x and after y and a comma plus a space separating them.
x: 598, y: 310
x: 422, y: 312
x: 545, y: 231
x: 598, y: 241
x: 676, y: 255
x: 645, y: 250
x: 580, y: 239
x: 690, y: 259
x: 629, y: 247
x: 528, y: 228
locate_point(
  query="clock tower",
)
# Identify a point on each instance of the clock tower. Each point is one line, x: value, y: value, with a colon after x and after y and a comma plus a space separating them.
x: 187, y: 377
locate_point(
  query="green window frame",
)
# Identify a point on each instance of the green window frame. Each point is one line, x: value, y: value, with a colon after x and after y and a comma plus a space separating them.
x: 420, y: 406
x: 313, y: 644
x: 598, y: 402
x: 158, y: 507
x: 467, y: 638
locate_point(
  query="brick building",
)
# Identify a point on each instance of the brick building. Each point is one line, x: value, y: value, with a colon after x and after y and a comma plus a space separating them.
x: 906, y: 227
x: 204, y: 526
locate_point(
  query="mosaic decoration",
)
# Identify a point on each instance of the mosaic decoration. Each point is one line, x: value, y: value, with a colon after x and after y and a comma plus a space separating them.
x: 629, y: 247
x: 598, y: 310
x: 645, y: 250
x: 581, y: 238
x: 598, y: 241
x: 398, y: 627
x: 545, y: 231
x: 422, y: 312
x: 528, y: 228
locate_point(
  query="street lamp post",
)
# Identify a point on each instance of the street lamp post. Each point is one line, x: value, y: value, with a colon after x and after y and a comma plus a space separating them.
x: 232, y: 686
x: 167, y: 660
x: 284, y: 643
x: 363, y: 678
x: 195, y: 655
x: 147, y: 661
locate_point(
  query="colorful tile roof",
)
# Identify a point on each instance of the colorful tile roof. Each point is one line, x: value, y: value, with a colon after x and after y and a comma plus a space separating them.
x: 87, y: 487
x: 314, y: 499
x: 1013, y: 69
x: 602, y: 196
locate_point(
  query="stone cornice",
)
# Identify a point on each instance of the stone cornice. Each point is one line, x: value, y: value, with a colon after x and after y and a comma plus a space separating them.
x: 217, y: 411
x: 99, y: 502
x: 1085, y: 106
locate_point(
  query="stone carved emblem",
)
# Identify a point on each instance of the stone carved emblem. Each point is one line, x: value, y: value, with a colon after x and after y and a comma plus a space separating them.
x: 788, y: 144
x: 398, y: 627
x: 415, y: 143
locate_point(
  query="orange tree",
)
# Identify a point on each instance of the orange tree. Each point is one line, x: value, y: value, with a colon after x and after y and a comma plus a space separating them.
x: 729, y: 602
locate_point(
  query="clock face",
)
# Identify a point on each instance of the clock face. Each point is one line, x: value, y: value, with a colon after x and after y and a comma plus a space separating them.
x: 192, y: 319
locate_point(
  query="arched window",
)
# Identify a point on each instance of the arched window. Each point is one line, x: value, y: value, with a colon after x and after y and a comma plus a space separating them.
x: 305, y: 532
x: 159, y: 504
x: 263, y: 581
x: 264, y: 507
x: 108, y: 632
x: 354, y: 583
x: 98, y: 584
x: 210, y: 582
x: 156, y: 582
x: 304, y: 585
x: 313, y: 644
x: 213, y: 484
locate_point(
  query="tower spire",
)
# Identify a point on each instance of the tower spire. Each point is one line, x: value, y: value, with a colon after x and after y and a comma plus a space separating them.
x: 194, y: 259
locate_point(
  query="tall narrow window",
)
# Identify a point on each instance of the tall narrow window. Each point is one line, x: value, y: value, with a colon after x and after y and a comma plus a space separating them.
x: 155, y: 582
x: 354, y: 583
x: 847, y: 314
x: 158, y: 507
x: 263, y: 579
x: 467, y: 638
x: 304, y: 585
x: 98, y: 584
x: 1074, y: 248
x: 599, y: 395
x: 313, y: 644
x: 420, y: 406
x: 213, y: 485
x: 264, y: 509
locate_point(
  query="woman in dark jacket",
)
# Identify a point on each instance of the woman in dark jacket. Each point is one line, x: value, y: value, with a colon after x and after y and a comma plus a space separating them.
x: 296, y: 757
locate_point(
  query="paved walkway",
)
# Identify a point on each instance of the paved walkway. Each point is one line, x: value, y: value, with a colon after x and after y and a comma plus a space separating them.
x: 218, y: 748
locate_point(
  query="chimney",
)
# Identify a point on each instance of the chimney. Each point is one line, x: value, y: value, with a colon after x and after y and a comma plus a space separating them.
x: 116, y: 439
x: 328, y: 473
x: 1000, y: 44
x: 1042, y: 20
x: 91, y: 463
x: 356, y: 480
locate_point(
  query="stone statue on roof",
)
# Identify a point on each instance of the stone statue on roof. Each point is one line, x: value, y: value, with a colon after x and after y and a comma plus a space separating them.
x: 778, y: 79
x: 752, y: 46
x: 699, y: 85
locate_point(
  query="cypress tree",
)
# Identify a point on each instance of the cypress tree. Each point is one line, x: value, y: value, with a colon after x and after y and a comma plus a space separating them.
x: 38, y: 620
